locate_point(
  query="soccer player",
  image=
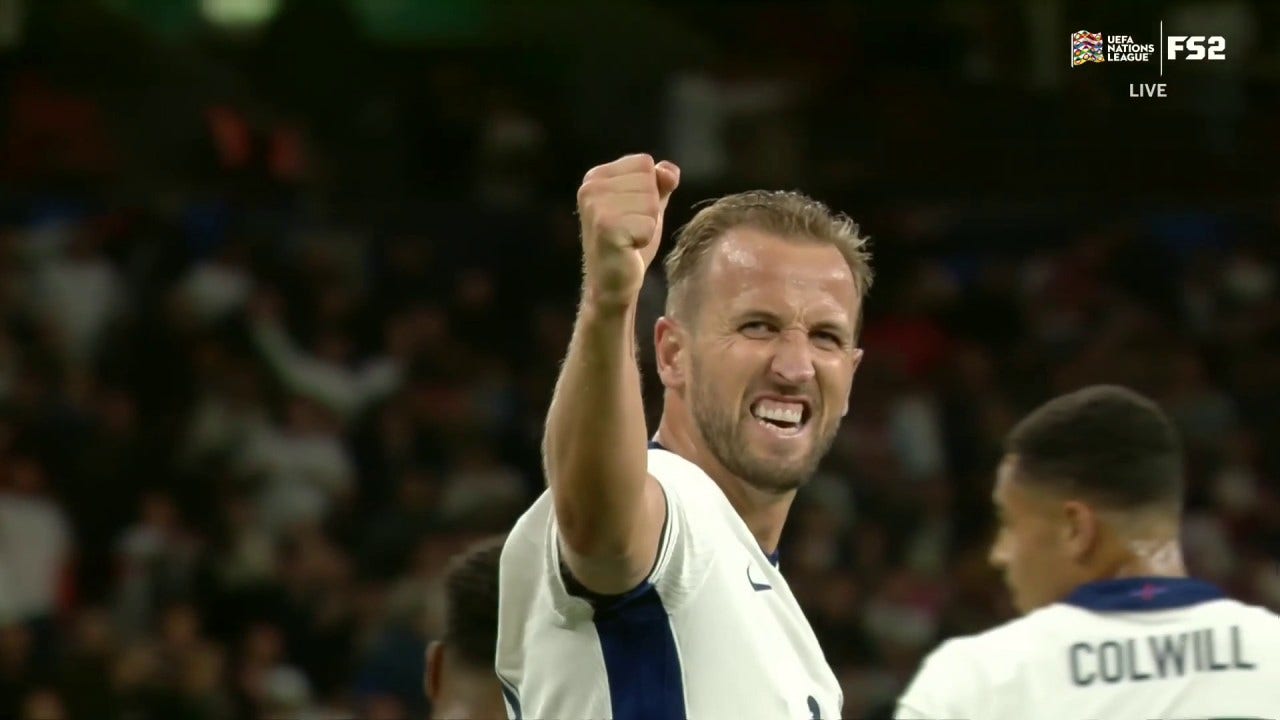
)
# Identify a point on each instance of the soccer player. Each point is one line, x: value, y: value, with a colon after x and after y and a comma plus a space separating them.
x: 460, y: 680
x: 1089, y: 498
x: 644, y: 583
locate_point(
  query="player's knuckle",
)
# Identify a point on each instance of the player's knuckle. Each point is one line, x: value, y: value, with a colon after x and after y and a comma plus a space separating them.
x: 642, y: 225
x: 590, y: 200
x: 639, y: 163
x: 635, y: 182
x: 604, y: 221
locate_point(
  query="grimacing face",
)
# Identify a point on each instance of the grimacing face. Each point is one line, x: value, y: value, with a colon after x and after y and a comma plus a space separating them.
x: 1031, y: 547
x: 772, y: 355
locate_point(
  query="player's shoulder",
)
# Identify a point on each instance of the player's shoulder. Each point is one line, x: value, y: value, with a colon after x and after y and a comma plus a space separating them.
x: 532, y: 523
x: 531, y: 541
x: 988, y: 653
x: 1256, y: 617
x: 682, y: 478
x: 664, y: 463
x: 1261, y: 624
x: 963, y: 673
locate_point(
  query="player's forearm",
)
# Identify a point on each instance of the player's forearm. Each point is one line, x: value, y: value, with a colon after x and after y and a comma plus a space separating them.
x: 595, y: 445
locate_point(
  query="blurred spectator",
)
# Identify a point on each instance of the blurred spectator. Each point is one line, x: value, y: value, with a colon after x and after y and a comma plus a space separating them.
x: 44, y: 705
x: 481, y: 491
x: 218, y: 286
x: 324, y: 376
x: 156, y: 564
x: 301, y: 467
x: 35, y: 551
x: 79, y: 290
x: 86, y: 675
x: 18, y: 673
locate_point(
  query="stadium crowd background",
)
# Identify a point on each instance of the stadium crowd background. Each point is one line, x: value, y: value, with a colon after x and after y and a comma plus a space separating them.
x: 281, y: 308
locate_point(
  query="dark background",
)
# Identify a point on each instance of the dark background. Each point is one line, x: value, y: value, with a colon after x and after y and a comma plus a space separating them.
x: 282, y: 304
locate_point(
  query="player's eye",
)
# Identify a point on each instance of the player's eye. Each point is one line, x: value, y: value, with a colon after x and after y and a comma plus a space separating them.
x: 757, y: 329
x: 828, y: 340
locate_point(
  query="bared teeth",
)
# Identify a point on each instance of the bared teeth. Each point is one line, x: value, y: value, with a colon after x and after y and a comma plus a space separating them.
x: 779, y: 411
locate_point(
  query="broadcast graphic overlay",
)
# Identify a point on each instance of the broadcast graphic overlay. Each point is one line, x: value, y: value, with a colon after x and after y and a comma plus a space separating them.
x: 1088, y: 47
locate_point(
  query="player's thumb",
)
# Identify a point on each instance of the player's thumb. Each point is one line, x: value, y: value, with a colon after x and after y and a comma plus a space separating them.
x: 668, y: 174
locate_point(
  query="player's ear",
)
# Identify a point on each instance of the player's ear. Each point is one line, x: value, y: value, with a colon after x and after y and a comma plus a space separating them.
x: 435, y: 667
x: 857, y: 360
x: 669, y: 345
x: 1080, y: 528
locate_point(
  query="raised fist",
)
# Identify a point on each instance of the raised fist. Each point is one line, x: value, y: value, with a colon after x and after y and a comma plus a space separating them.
x: 620, y: 205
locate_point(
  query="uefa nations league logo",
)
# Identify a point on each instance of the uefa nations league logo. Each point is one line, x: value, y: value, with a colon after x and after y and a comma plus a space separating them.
x: 1086, y: 47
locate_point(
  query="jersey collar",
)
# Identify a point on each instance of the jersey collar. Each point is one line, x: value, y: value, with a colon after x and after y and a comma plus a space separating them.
x: 1138, y: 594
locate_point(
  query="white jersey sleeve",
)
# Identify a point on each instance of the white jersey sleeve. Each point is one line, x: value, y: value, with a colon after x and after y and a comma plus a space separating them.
x: 681, y: 560
x: 713, y: 631
x: 683, y: 554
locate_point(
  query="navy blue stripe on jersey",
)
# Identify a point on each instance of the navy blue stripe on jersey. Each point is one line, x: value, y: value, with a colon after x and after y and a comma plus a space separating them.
x: 640, y: 657
x: 513, y: 699
x: 655, y: 445
x: 1142, y: 593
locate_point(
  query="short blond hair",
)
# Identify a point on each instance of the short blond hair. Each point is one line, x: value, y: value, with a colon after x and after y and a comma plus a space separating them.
x: 788, y: 214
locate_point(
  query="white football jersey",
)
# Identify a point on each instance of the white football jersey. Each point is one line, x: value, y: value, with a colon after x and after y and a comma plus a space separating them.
x: 1169, y: 648
x: 714, y: 632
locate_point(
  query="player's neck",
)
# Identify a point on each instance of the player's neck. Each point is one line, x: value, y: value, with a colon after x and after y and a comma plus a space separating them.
x: 763, y: 512
x: 1161, y: 557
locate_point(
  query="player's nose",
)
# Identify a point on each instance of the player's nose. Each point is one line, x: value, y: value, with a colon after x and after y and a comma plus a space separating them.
x: 997, y: 556
x: 793, y: 359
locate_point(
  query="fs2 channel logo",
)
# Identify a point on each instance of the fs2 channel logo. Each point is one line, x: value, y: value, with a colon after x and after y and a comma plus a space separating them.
x: 1095, y: 47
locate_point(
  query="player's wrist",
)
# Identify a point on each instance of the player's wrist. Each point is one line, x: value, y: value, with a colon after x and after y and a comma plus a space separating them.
x: 608, y: 305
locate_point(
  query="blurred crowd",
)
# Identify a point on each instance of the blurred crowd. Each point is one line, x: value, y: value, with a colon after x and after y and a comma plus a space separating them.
x: 266, y: 364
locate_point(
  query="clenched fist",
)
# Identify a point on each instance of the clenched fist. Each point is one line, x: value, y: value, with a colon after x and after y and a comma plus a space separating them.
x: 620, y: 205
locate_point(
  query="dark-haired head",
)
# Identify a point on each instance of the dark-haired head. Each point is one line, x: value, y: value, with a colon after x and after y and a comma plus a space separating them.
x: 461, y: 681
x: 1091, y: 486
x: 1105, y: 443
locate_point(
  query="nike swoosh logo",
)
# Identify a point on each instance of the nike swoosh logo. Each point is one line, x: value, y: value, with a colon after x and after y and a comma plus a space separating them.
x: 758, y: 587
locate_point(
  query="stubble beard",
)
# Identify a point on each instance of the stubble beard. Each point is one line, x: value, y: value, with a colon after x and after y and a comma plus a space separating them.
x: 721, y: 429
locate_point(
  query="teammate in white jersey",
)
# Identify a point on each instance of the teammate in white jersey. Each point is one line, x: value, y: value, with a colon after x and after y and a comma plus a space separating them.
x: 644, y: 583
x: 1089, y: 497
